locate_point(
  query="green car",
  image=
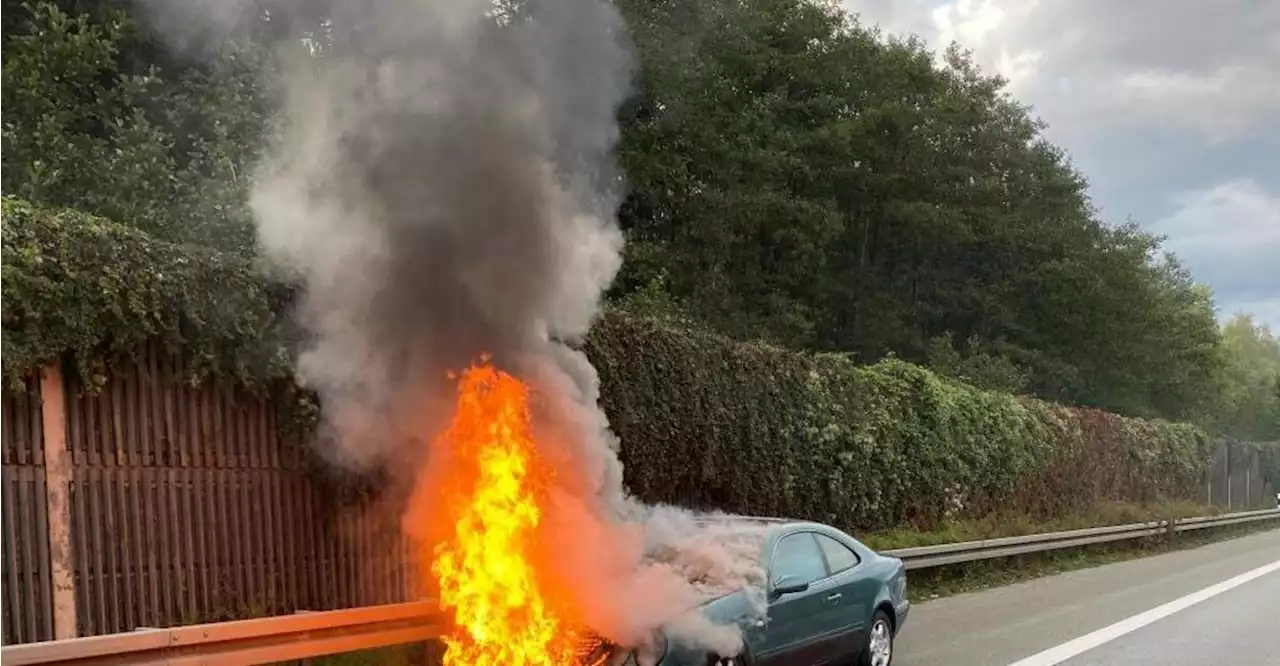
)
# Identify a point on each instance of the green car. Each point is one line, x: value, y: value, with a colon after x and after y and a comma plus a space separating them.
x: 831, y: 600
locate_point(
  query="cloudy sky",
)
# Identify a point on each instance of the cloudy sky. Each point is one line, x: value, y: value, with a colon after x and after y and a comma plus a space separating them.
x: 1171, y: 108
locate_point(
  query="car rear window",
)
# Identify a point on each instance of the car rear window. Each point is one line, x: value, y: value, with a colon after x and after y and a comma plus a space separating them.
x: 839, y: 556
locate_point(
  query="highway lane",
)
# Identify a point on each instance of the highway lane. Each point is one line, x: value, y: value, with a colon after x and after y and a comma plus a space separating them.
x: 1240, y: 626
x: 1001, y: 626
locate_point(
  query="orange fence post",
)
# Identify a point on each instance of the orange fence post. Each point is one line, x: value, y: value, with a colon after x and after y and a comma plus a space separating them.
x: 57, y: 466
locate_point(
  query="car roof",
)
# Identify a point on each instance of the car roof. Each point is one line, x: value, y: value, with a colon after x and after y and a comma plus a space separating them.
x: 774, y: 525
x: 729, y: 520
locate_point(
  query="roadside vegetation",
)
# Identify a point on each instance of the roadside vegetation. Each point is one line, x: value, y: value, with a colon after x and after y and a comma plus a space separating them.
x: 1013, y: 524
x: 866, y: 447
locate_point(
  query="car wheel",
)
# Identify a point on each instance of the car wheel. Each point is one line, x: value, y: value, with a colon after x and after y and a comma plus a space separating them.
x: 743, y: 659
x: 879, y: 650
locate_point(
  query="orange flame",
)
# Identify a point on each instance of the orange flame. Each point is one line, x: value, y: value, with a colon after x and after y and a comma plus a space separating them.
x: 486, y: 571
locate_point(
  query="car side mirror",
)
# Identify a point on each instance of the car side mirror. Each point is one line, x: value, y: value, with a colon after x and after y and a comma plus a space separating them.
x: 788, y: 585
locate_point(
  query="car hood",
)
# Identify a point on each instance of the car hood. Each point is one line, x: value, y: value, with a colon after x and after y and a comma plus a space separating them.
x: 733, y: 608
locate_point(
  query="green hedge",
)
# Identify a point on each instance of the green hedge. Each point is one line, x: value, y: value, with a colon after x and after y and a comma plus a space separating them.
x: 761, y: 430
x: 703, y: 420
x: 79, y: 285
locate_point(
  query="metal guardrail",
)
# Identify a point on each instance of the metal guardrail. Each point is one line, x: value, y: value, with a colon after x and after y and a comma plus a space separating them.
x: 924, y: 557
x: 291, y: 637
x: 243, y: 642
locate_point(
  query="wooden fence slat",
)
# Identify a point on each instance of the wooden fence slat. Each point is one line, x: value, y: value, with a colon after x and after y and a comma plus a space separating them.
x: 186, y: 492
x: 248, y: 435
x: 165, y: 524
x: 13, y: 607
x: 272, y: 539
x: 173, y: 447
x: 227, y: 427
x: 313, y: 550
x: 106, y: 490
x: 128, y: 553
x: 235, y: 519
x: 97, y: 589
x: 261, y: 532
x: 346, y: 564
x: 115, y: 396
x: 8, y: 606
x: 225, y: 544
x: 155, y: 425
x: 92, y: 429
x: 16, y: 444
x: 204, y: 521
x: 217, y: 422
x: 234, y: 540
x: 42, y: 596
x: 204, y: 440
x: 13, y: 438
x: 252, y: 531
x: 289, y: 557
x: 142, y: 545
x: 30, y: 581
x: 136, y: 414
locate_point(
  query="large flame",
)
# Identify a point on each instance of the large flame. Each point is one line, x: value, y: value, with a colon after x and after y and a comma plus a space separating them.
x: 486, y: 571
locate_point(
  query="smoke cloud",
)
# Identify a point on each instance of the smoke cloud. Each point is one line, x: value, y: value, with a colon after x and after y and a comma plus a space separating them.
x: 444, y: 185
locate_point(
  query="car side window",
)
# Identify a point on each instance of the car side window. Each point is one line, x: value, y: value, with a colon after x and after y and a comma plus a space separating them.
x: 797, y: 557
x: 839, y: 556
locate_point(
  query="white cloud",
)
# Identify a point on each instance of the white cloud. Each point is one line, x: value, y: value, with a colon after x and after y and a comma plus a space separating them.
x: 1264, y: 310
x: 1229, y: 236
x: 1212, y: 67
x: 1170, y: 107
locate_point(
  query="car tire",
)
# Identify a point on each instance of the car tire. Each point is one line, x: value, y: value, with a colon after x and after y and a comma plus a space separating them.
x: 879, y: 649
x: 743, y: 659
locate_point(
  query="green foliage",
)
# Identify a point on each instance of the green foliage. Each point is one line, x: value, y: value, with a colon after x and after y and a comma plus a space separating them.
x: 1014, y: 523
x: 97, y: 117
x: 756, y: 429
x: 1251, y: 401
x: 974, y: 365
x: 796, y: 177
x: 79, y: 285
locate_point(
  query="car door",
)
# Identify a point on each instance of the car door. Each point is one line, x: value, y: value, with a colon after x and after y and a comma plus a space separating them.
x: 794, y: 632
x: 853, y: 593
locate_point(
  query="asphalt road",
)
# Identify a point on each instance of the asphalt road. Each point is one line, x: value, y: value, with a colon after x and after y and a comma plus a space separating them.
x: 1002, y: 626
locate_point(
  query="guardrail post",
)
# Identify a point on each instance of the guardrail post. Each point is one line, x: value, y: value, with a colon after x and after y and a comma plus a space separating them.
x: 57, y: 485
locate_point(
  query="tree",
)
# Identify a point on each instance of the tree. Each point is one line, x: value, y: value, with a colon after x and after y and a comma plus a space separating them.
x: 98, y: 116
x: 794, y: 176
x: 714, y: 146
x: 800, y: 178
x: 1251, y: 402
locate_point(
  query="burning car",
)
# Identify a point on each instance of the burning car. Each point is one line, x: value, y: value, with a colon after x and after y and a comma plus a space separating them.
x: 828, y: 598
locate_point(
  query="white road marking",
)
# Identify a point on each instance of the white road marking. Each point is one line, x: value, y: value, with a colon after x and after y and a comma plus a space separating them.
x: 1061, y: 653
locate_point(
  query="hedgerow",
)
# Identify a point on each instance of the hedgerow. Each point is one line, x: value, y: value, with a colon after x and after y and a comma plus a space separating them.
x: 704, y: 421
x: 81, y: 286
x: 762, y: 430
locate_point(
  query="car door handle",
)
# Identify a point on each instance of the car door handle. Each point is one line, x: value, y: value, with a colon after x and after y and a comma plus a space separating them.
x: 834, y: 597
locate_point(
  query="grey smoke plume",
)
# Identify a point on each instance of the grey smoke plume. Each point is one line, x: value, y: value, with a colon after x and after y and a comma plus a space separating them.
x: 444, y: 185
